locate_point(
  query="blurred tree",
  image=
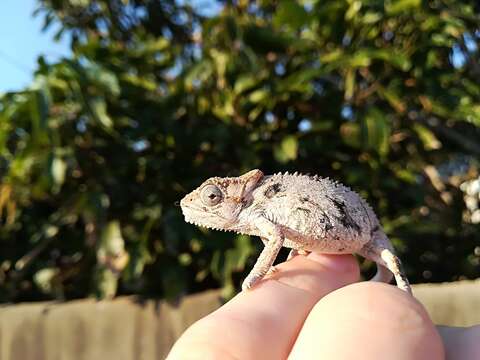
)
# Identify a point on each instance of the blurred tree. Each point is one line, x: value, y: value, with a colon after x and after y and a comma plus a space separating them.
x: 159, y: 95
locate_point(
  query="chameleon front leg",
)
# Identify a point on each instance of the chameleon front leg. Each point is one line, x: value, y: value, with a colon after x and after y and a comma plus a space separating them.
x: 295, y: 252
x: 272, y: 269
x: 268, y: 255
x: 291, y: 255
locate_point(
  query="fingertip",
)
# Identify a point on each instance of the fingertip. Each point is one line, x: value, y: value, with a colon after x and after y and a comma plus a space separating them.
x: 345, y: 264
x: 318, y: 274
x: 370, y: 320
x: 196, y: 343
x: 264, y: 321
x: 461, y: 342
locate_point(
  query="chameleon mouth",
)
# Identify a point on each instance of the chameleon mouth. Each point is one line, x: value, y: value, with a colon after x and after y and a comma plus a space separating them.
x: 190, y: 217
x: 205, y: 226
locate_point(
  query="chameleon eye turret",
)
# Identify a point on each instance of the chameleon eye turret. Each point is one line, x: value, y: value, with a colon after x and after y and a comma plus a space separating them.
x: 211, y: 195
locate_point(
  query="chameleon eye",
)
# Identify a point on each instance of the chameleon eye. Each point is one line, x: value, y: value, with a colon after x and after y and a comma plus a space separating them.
x: 211, y: 195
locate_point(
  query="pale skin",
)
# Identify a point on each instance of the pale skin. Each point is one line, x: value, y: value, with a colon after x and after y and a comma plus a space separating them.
x: 313, y: 307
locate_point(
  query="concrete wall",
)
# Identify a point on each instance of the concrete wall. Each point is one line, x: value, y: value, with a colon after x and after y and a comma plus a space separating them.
x: 454, y: 304
x: 127, y: 328
x: 88, y: 330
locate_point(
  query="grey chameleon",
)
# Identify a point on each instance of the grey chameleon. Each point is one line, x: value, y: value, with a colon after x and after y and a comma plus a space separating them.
x: 301, y: 212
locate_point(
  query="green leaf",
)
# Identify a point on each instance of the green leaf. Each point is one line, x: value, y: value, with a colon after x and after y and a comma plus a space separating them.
x: 360, y: 59
x: 244, y: 83
x: 353, y: 9
x: 156, y: 45
x: 99, y: 111
x: 79, y: 3
x: 290, y: 147
x: 255, y: 112
x: 349, y: 84
x: 103, y: 78
x: 442, y: 40
x: 258, y: 96
x: 396, y: 7
x: 351, y: 135
x: 58, y: 170
x: 428, y: 138
x: 393, y: 98
x: 149, y: 84
x: 39, y: 111
x: 299, y: 81
x: 376, y: 131
x: 403, y: 174
x: 397, y: 59
x: 5, y: 128
x: 332, y: 56
x: 221, y: 60
x: 199, y: 73
x: 371, y: 17
x: 290, y: 12
x: 105, y: 283
x: 287, y: 150
x: 111, y: 240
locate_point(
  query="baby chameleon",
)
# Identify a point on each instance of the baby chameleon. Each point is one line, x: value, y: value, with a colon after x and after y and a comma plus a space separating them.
x: 301, y: 212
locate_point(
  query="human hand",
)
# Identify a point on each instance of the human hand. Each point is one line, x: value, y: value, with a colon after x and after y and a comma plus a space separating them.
x: 314, y: 308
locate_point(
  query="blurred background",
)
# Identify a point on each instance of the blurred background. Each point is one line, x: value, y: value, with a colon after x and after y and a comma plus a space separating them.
x: 112, y: 110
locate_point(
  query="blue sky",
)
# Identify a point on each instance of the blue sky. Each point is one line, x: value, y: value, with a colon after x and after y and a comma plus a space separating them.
x: 22, y: 41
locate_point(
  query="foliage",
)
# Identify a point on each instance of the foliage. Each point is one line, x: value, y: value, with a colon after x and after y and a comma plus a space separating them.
x: 157, y: 96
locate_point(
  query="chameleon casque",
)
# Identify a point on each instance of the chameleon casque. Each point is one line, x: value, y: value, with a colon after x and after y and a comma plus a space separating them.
x: 302, y: 212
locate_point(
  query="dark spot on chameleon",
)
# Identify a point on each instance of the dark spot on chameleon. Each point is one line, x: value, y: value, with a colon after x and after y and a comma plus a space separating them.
x: 345, y: 218
x: 306, y: 211
x: 341, y: 249
x: 325, y: 220
x: 272, y: 190
x: 306, y: 199
x: 374, y: 230
x: 246, y: 203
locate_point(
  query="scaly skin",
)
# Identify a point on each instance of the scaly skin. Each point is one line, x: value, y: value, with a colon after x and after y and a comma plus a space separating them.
x: 301, y: 212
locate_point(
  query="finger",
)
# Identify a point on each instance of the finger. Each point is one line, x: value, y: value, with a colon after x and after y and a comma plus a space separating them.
x: 368, y: 320
x: 461, y: 343
x: 263, y: 323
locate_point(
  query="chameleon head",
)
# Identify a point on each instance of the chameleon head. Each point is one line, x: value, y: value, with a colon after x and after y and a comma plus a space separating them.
x: 217, y: 203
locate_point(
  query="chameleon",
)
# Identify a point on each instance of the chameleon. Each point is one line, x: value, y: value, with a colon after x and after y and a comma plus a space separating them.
x: 306, y: 213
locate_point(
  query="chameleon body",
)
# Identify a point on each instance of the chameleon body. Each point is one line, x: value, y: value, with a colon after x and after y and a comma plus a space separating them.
x: 302, y: 212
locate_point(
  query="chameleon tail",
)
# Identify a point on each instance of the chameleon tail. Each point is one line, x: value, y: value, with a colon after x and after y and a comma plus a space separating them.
x: 383, y: 274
